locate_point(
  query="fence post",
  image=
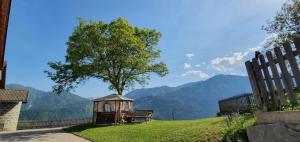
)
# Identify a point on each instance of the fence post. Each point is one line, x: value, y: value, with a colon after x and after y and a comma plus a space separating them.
x: 253, y: 83
x: 294, y: 66
x: 261, y: 82
x: 286, y: 76
x: 268, y: 80
x: 278, y: 83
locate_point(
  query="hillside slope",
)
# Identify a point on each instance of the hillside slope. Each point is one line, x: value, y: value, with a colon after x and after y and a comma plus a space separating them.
x: 195, y: 100
x: 43, y: 105
x: 199, y: 130
x: 155, y: 131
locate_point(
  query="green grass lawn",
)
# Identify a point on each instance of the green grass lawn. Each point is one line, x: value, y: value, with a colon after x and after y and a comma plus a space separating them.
x: 211, y: 129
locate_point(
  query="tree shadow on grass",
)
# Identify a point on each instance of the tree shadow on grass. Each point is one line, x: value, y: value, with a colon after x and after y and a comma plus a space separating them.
x: 82, y: 127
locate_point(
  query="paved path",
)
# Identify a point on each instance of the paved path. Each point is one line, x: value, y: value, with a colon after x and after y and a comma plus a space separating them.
x: 40, y: 135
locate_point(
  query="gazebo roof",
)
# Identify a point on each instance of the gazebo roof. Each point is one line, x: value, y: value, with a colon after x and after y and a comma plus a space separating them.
x: 113, y: 97
x: 7, y: 95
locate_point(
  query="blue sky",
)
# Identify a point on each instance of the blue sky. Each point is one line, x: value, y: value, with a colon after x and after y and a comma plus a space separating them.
x: 201, y: 38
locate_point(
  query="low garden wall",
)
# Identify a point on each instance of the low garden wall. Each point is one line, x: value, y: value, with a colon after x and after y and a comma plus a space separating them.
x: 275, y: 126
x: 288, y: 117
x: 52, y: 123
x: 9, y: 115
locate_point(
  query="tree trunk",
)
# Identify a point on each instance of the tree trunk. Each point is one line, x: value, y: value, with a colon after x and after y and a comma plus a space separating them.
x: 119, y: 91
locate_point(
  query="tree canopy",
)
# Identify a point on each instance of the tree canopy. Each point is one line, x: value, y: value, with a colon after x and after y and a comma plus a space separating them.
x: 118, y: 53
x: 286, y: 23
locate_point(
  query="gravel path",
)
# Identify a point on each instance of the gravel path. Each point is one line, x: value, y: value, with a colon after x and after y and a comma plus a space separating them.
x: 40, y: 135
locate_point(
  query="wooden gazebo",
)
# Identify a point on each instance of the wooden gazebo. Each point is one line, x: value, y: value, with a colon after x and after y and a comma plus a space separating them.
x: 112, y: 109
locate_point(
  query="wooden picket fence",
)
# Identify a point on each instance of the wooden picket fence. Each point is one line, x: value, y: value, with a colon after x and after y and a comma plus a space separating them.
x: 237, y: 104
x: 271, y: 79
x: 52, y: 123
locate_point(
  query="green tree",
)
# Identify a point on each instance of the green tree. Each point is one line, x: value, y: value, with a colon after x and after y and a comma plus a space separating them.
x: 118, y: 53
x: 286, y: 23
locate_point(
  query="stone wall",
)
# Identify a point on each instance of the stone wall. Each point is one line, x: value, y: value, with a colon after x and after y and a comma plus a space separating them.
x: 288, y: 117
x: 277, y: 132
x: 280, y: 126
x: 9, y: 115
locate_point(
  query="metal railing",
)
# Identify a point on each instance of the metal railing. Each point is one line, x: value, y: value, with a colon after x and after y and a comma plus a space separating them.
x: 237, y: 104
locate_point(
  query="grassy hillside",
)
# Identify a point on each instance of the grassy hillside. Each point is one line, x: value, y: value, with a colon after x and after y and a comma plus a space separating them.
x: 211, y: 129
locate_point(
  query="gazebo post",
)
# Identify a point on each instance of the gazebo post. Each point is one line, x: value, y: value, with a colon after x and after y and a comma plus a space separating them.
x: 94, y: 121
x: 119, y: 110
x: 116, y: 114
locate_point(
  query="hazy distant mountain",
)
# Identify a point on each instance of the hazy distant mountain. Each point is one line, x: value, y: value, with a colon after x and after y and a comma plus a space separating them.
x: 47, y: 106
x: 141, y: 93
x: 192, y: 100
x: 145, y: 92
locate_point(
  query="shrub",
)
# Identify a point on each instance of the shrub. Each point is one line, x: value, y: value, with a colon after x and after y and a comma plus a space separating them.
x: 236, y: 130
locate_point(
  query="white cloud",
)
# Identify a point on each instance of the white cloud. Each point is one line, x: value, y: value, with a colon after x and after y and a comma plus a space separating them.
x: 187, y: 66
x: 234, y: 64
x: 198, y: 66
x: 190, y: 55
x: 227, y: 64
x: 195, y: 73
x: 237, y: 56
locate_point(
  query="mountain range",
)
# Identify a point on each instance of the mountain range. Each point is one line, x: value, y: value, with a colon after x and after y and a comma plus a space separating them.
x: 188, y: 101
x: 43, y: 105
x: 192, y: 100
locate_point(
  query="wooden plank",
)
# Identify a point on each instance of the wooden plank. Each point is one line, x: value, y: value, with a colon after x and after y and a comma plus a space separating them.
x: 3, y: 75
x: 261, y: 83
x: 4, y: 17
x: 253, y: 83
x: 295, y: 53
x: 269, y: 81
x: 276, y: 78
x: 292, y: 60
x: 297, y: 45
x: 286, y: 76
